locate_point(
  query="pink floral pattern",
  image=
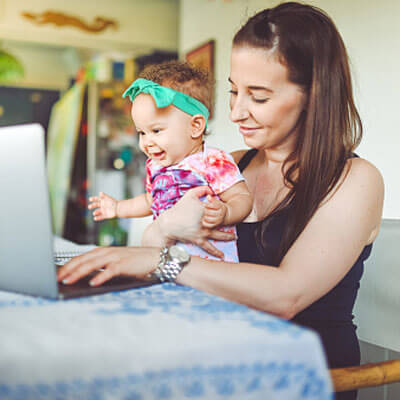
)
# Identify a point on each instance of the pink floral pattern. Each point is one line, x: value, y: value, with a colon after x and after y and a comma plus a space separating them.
x: 212, y: 167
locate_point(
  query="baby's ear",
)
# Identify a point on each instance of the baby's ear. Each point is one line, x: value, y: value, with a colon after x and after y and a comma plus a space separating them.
x: 198, y: 125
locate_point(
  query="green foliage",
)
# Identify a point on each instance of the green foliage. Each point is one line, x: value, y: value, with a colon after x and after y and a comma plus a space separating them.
x: 11, y: 69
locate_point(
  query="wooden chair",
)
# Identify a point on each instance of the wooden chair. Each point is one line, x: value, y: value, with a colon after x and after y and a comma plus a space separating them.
x: 374, y: 374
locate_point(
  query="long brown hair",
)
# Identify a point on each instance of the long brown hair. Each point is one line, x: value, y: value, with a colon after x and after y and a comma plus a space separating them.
x: 307, y: 42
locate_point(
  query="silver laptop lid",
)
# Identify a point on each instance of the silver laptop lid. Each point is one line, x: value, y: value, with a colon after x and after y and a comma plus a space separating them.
x: 26, y: 240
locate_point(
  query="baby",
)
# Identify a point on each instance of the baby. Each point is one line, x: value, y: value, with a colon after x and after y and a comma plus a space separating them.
x: 170, y: 109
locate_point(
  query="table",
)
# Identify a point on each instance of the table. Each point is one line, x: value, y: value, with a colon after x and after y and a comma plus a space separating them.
x: 160, y: 342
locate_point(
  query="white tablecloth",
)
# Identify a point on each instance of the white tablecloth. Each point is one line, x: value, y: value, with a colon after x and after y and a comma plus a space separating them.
x: 159, y: 342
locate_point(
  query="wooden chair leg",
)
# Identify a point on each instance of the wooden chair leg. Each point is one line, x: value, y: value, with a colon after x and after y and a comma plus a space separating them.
x: 374, y: 374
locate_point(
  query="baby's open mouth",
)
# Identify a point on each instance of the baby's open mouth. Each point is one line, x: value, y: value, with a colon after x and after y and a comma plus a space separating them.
x: 157, y: 155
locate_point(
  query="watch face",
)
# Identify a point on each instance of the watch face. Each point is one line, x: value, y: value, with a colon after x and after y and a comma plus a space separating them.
x: 179, y: 253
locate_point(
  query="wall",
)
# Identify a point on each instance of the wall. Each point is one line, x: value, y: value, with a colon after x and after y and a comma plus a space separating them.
x: 45, y: 66
x: 371, y: 33
x: 51, y: 55
x: 142, y: 24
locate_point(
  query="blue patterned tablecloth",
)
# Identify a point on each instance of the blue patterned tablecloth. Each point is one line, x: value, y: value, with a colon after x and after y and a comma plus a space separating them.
x: 159, y: 342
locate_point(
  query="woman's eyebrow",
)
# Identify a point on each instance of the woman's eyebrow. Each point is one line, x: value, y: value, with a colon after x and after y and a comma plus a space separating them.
x: 261, y: 88
x: 254, y: 87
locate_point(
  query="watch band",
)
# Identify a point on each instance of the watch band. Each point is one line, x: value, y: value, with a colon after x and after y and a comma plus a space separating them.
x: 167, y: 270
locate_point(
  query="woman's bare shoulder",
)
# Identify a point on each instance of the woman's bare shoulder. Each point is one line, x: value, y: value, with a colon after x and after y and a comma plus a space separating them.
x: 364, y: 172
x: 238, y: 154
x: 360, y: 180
x: 360, y: 193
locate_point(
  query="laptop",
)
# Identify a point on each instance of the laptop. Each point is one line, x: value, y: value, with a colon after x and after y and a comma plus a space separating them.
x: 26, y: 240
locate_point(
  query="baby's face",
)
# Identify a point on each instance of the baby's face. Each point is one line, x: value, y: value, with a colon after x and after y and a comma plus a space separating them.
x: 165, y: 134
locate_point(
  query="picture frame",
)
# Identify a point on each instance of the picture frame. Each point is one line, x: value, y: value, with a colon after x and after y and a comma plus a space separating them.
x: 203, y: 57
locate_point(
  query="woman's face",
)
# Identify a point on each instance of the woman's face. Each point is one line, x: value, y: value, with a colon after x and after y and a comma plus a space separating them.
x: 263, y: 102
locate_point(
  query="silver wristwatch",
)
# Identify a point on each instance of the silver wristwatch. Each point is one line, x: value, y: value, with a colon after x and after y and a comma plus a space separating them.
x: 172, y: 261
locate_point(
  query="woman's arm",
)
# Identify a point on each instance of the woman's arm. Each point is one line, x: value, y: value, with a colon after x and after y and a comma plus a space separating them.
x: 320, y: 257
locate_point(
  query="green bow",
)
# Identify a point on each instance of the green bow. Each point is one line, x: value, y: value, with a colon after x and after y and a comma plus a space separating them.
x: 164, y: 96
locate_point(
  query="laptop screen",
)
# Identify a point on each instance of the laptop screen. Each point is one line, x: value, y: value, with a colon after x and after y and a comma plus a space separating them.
x: 26, y: 238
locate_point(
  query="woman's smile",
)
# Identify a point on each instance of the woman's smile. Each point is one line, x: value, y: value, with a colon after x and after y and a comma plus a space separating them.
x: 247, y: 131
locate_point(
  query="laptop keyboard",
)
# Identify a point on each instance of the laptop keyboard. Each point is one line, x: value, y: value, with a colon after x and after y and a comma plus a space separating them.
x: 62, y: 257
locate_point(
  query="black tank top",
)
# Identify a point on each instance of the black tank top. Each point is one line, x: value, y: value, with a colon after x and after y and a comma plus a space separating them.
x: 332, y: 312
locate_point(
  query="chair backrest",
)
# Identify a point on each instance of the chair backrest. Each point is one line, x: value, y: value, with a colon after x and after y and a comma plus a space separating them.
x: 378, y: 301
x: 367, y: 375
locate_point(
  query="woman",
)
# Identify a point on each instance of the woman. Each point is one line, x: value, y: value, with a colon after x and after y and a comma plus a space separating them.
x: 317, y: 208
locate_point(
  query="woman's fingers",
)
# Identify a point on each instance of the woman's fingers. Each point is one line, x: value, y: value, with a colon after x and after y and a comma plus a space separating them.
x: 210, y: 248
x: 183, y: 220
x: 82, y: 265
x: 105, y: 274
x: 88, y: 267
x: 215, y: 234
x: 200, y: 191
x: 109, y: 262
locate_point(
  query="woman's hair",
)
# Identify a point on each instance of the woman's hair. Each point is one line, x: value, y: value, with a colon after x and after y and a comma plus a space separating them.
x: 184, y: 77
x: 307, y: 42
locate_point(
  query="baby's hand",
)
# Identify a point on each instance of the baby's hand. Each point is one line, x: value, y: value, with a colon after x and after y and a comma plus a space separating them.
x: 105, y: 207
x: 214, y: 212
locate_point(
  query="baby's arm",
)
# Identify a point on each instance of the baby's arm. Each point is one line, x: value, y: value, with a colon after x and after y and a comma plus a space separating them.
x: 235, y: 205
x: 107, y: 207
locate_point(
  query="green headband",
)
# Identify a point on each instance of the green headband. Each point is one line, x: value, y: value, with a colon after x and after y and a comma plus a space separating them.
x: 164, y: 96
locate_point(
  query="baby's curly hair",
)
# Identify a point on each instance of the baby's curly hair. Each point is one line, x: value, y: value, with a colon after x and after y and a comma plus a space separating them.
x: 183, y: 77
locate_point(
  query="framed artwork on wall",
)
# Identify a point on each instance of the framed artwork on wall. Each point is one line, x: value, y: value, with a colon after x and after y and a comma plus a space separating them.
x: 203, y: 57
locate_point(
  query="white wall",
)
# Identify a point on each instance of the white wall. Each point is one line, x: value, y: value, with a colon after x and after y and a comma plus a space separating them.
x: 51, y: 55
x: 371, y: 32
x: 44, y: 67
x: 141, y: 24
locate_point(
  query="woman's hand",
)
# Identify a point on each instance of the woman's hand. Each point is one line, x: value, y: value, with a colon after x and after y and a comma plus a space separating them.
x: 183, y: 222
x: 137, y: 262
